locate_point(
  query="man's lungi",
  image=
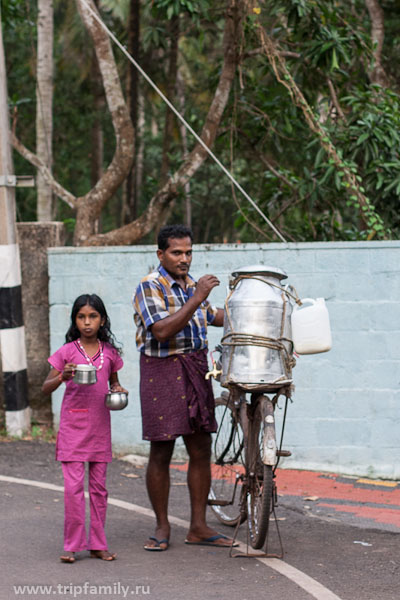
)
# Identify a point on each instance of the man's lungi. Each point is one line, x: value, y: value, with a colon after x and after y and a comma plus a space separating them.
x: 176, y: 399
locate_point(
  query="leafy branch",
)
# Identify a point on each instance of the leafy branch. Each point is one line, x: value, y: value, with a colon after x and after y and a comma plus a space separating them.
x: 347, y: 174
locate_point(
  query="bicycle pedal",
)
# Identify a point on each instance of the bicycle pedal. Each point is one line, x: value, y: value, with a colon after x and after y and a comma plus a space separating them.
x: 283, y: 453
x: 218, y: 502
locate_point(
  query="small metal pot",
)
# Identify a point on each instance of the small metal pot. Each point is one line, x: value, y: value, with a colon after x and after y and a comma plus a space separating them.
x: 85, y: 374
x: 116, y: 400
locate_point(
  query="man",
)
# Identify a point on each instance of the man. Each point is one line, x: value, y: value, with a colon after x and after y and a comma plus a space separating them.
x: 171, y: 314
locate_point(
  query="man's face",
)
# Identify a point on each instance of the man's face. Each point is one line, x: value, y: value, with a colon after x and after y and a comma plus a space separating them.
x: 176, y: 259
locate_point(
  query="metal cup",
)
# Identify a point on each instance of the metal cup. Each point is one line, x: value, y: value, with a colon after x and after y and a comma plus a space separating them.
x: 85, y: 374
x: 116, y: 400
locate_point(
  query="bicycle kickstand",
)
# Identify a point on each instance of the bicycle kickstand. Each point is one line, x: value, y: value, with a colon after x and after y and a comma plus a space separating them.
x: 250, y: 553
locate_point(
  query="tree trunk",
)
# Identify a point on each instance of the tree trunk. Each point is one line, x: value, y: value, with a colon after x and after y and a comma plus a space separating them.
x: 134, y: 231
x: 171, y: 89
x: 44, y: 106
x: 90, y: 205
x: 181, y: 97
x: 140, y: 146
x: 96, y: 134
x: 169, y: 115
x: 97, y: 137
x: 133, y: 95
x: 375, y: 10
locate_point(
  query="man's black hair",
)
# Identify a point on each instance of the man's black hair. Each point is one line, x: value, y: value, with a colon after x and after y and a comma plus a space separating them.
x: 172, y: 231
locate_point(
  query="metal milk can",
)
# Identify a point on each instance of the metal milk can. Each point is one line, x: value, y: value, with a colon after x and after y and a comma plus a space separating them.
x: 256, y: 345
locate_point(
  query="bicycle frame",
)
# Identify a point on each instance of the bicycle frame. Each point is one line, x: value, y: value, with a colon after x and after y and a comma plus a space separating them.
x: 271, y: 452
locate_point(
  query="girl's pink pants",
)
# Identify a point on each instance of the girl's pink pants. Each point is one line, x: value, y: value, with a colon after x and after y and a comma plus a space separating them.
x: 74, y: 502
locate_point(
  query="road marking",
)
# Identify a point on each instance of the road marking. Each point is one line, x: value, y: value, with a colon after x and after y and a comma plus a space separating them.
x: 307, y: 583
x: 304, y: 581
x: 31, y: 482
x: 374, y: 482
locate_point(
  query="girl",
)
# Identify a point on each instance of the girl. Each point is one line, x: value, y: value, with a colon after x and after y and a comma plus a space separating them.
x: 85, y: 433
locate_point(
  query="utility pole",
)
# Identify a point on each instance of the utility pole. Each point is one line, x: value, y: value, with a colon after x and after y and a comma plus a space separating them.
x: 12, y: 331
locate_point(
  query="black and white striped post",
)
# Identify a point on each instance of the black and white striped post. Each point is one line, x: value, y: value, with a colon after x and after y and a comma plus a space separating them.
x: 12, y: 332
x: 12, y: 341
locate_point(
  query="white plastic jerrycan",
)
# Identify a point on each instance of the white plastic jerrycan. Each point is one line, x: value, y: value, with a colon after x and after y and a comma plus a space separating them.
x: 311, y: 330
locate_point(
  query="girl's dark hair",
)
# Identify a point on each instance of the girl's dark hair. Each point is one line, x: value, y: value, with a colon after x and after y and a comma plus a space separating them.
x: 104, y: 334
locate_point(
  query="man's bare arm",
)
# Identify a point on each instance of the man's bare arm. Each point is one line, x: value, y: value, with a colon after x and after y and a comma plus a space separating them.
x: 166, y: 328
x: 219, y: 318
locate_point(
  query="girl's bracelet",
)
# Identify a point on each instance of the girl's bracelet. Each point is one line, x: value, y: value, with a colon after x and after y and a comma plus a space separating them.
x: 60, y: 377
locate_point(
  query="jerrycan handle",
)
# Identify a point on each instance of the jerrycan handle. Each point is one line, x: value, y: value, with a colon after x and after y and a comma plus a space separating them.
x: 306, y: 301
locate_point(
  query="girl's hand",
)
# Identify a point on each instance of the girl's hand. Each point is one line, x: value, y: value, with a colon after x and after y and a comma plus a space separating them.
x: 55, y: 378
x: 116, y: 387
x: 68, y: 372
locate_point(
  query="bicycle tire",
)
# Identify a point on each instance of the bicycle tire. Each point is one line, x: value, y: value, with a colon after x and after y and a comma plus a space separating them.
x: 260, y: 493
x: 227, y: 465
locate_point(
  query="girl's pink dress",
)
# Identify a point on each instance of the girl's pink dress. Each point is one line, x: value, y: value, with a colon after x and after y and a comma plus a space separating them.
x: 85, y: 425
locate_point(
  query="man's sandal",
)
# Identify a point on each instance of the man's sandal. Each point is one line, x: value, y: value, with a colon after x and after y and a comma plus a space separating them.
x: 158, y: 545
x: 102, y: 554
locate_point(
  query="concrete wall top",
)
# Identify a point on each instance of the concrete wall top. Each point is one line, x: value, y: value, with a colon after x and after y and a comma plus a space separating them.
x: 217, y: 247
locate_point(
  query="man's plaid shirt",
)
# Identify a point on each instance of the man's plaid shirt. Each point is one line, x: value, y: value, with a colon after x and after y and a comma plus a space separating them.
x: 158, y: 295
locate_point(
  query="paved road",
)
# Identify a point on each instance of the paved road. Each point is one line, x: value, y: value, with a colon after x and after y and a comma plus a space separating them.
x: 341, y: 539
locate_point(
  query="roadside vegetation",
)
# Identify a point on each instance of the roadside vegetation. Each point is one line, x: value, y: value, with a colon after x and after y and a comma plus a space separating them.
x: 298, y: 98
x: 39, y: 431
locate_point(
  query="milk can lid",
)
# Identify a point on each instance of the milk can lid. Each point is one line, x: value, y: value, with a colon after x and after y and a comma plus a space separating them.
x: 260, y: 270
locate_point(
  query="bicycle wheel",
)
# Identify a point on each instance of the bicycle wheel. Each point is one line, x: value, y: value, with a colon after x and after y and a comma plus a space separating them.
x: 260, y: 493
x: 226, y: 464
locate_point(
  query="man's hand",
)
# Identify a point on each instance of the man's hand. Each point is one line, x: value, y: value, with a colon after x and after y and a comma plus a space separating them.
x: 204, y: 286
x: 166, y: 328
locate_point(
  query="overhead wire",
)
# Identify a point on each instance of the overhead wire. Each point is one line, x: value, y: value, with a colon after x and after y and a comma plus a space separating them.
x: 182, y: 119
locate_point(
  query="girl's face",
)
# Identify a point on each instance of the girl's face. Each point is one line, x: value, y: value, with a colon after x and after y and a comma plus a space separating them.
x: 88, y: 321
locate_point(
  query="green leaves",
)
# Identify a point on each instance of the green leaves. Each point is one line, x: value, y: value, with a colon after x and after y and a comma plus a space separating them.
x: 264, y: 137
x: 195, y: 8
x: 12, y: 11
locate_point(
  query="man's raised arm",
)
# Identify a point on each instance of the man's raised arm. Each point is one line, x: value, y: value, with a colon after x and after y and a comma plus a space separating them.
x: 166, y: 328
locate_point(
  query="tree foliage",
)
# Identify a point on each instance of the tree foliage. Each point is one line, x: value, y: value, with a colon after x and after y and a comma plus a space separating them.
x: 338, y: 180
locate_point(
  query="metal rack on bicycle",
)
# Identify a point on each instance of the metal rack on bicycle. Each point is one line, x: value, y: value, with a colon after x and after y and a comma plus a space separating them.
x: 256, y: 360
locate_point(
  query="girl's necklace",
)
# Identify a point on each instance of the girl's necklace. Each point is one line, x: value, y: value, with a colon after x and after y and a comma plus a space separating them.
x: 89, y: 359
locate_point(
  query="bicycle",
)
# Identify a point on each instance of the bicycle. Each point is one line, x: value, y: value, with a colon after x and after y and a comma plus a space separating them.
x: 256, y: 359
x: 245, y: 455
